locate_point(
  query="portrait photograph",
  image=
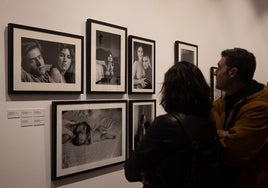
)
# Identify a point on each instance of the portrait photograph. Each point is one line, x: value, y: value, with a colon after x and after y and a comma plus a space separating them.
x: 142, y: 114
x: 141, y: 65
x: 186, y: 52
x: 87, y: 135
x: 106, y: 55
x: 43, y: 61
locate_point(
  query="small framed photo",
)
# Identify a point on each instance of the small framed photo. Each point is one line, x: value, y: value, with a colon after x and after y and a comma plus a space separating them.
x: 186, y: 52
x: 106, y: 57
x: 87, y: 135
x: 141, y: 65
x: 215, y: 93
x: 142, y: 114
x: 44, y: 61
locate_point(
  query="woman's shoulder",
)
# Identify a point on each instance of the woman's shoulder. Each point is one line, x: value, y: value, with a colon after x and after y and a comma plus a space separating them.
x: 164, y: 118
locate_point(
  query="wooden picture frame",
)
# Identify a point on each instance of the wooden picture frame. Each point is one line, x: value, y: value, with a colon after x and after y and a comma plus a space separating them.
x: 141, y: 72
x: 186, y: 52
x: 140, y: 110
x: 36, y: 61
x: 87, y: 135
x: 106, y: 57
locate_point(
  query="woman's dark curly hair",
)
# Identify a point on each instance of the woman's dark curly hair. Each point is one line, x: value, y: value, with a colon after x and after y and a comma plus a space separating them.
x: 185, y: 90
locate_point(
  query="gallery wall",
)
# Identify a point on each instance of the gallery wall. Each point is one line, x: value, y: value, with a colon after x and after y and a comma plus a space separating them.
x: 213, y: 25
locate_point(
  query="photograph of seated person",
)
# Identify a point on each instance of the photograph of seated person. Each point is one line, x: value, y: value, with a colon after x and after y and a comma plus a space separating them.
x: 33, y: 63
x: 105, y: 66
x: 64, y: 69
x: 138, y: 71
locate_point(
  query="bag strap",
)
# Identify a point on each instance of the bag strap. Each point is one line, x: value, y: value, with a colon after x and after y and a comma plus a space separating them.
x: 193, y: 143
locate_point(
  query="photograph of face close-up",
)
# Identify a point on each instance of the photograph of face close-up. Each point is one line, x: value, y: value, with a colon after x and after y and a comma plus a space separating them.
x: 47, y: 62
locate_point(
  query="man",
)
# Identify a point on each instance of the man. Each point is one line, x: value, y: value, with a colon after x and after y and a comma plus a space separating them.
x: 33, y: 64
x: 242, y: 121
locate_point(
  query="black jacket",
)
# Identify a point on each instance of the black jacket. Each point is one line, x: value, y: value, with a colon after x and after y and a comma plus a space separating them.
x: 165, y: 147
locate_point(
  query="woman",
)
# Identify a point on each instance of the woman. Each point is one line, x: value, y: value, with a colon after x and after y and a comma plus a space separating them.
x: 138, y: 71
x: 105, y: 69
x: 162, y: 158
x: 109, y: 65
x: 65, y: 65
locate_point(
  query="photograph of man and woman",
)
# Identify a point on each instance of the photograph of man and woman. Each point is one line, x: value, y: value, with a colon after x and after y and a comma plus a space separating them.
x: 108, y: 51
x: 47, y: 62
x: 142, y: 65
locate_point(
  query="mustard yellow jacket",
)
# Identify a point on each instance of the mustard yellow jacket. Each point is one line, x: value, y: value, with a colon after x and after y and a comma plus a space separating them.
x: 246, y: 144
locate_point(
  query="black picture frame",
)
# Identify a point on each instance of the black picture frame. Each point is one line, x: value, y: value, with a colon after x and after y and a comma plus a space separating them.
x: 139, y: 109
x: 215, y: 93
x: 185, y: 51
x: 104, y: 40
x: 100, y: 142
x: 145, y: 83
x: 43, y: 75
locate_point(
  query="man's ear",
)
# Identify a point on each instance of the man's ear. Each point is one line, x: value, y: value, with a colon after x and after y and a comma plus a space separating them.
x: 233, y: 72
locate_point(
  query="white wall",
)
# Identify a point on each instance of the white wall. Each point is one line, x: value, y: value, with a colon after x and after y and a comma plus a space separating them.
x: 213, y: 25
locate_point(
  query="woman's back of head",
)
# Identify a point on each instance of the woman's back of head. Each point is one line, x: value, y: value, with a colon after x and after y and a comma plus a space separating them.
x: 185, y: 90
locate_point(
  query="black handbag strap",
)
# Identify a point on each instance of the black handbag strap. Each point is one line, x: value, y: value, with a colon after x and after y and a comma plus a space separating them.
x: 179, y: 118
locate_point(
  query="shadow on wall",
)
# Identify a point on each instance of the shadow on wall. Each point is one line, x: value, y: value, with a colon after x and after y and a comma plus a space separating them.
x: 261, y: 7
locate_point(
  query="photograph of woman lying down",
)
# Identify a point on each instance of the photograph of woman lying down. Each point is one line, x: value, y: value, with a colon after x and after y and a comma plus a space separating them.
x: 90, y: 136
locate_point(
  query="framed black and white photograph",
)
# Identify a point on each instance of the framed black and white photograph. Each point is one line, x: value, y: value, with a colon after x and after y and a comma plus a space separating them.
x: 106, y: 57
x: 215, y: 93
x: 141, y: 65
x: 186, y: 52
x: 142, y: 114
x: 87, y: 135
x: 44, y: 61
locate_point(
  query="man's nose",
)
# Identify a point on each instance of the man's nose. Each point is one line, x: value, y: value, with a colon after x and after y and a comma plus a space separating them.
x: 38, y: 62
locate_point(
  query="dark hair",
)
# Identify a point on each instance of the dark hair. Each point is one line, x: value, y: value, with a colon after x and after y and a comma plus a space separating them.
x: 185, y: 90
x: 75, y: 139
x: 107, y: 55
x: 243, y: 60
x: 70, y: 73
x: 136, y: 51
x: 26, y: 48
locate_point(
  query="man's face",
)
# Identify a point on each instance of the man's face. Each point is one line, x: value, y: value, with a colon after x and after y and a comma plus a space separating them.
x: 222, y: 75
x: 145, y: 62
x: 35, y: 62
